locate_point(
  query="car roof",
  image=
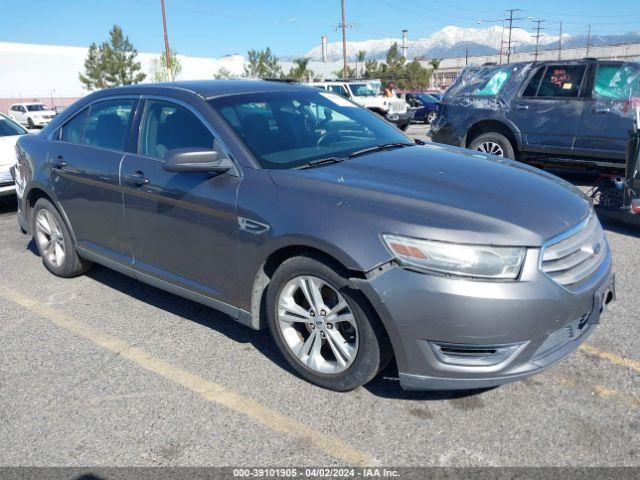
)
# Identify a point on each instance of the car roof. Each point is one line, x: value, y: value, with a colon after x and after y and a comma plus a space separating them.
x: 214, y: 88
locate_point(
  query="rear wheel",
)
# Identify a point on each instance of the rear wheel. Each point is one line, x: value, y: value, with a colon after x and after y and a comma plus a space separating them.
x: 493, y: 143
x: 324, y: 330
x: 54, y: 241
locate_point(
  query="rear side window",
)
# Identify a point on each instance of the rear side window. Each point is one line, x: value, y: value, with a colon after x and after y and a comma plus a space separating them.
x: 495, y: 83
x: 108, y: 123
x: 167, y: 126
x: 562, y: 81
x: 617, y: 82
x: 73, y: 129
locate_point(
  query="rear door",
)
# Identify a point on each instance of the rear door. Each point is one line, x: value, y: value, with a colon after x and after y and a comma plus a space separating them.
x: 547, y: 111
x: 182, y: 227
x: 85, y: 157
x: 608, y: 114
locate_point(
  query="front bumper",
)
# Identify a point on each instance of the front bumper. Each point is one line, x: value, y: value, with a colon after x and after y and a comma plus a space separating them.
x: 6, y: 190
x: 400, y: 118
x: 421, y: 311
x: 7, y: 184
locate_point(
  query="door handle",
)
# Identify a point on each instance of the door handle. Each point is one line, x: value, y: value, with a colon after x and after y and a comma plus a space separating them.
x: 600, y: 111
x: 522, y: 107
x: 137, y: 178
x: 59, y: 163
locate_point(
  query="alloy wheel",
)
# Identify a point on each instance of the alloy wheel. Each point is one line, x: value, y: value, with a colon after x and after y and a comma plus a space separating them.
x: 49, y: 237
x: 317, y: 325
x: 491, y: 147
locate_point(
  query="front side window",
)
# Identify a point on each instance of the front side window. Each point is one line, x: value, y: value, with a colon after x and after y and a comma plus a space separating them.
x: 107, y: 123
x: 562, y: 81
x: 72, y: 131
x: 167, y: 126
x: 10, y: 128
x: 289, y: 129
x: 617, y: 82
x: 339, y: 89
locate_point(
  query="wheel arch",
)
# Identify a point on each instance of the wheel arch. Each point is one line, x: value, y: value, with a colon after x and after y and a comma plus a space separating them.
x: 498, y: 126
x: 34, y: 193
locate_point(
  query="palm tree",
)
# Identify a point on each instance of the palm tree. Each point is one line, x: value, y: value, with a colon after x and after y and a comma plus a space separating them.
x: 360, y: 59
x: 301, y: 71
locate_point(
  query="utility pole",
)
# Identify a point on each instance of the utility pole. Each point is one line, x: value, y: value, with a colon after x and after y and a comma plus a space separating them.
x: 345, y: 70
x: 167, y: 52
x: 511, y: 20
x: 538, y: 28
x: 404, y: 43
x: 560, y: 43
x: 588, y: 41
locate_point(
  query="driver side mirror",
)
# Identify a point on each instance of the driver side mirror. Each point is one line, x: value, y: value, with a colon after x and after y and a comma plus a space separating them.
x: 197, y: 160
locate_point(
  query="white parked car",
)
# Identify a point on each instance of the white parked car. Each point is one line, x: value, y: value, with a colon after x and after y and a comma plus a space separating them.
x: 368, y: 94
x: 9, y: 133
x: 31, y: 114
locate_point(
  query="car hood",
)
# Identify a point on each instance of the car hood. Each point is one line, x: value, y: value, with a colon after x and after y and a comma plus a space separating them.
x: 448, y: 194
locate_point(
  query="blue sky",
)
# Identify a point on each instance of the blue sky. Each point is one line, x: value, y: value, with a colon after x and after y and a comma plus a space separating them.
x: 289, y: 27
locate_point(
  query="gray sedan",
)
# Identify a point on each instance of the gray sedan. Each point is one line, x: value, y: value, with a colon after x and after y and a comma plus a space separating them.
x: 295, y: 210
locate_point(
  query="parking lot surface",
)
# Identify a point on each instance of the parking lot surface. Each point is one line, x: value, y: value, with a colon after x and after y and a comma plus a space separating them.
x: 103, y: 370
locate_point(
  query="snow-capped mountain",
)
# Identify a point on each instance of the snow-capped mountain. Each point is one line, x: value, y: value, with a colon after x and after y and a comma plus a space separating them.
x: 450, y: 41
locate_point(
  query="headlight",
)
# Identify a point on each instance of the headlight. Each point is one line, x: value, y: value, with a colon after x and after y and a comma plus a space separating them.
x: 480, y: 261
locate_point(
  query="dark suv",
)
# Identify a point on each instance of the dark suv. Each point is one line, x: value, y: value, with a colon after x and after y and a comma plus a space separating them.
x: 575, y: 112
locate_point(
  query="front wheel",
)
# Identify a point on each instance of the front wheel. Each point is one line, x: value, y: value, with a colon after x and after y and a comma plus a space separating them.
x: 30, y: 123
x: 327, y: 334
x: 494, y: 144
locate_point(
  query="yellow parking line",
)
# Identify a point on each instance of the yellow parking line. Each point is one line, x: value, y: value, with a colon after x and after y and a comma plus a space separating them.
x: 610, y: 357
x: 210, y: 391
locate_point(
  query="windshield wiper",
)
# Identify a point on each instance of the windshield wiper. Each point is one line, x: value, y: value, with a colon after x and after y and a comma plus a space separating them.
x: 319, y: 162
x: 379, y: 148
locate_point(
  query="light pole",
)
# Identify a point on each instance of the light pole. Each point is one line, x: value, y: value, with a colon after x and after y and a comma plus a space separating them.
x: 167, y: 52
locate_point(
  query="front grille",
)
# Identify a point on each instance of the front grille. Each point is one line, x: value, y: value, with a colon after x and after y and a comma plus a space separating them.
x: 572, y: 259
x: 562, y: 336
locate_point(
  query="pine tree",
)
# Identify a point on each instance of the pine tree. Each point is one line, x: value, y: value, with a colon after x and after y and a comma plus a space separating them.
x: 112, y: 64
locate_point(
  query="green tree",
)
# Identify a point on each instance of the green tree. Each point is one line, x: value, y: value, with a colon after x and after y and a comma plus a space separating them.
x: 262, y: 64
x: 223, y: 74
x: 159, y: 70
x: 416, y: 77
x: 351, y: 73
x: 300, y: 71
x: 112, y: 64
x: 359, y: 61
x: 394, y: 63
x: 371, y: 69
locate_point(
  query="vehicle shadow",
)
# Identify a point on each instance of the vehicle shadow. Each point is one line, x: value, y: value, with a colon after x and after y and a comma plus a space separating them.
x: 385, y: 385
x: 8, y: 205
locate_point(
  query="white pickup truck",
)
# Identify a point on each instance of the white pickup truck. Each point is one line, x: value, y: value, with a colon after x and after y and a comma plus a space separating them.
x: 367, y: 93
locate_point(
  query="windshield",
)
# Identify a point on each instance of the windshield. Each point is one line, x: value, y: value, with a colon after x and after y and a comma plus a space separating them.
x: 364, y: 90
x: 38, y: 107
x: 290, y: 129
x: 9, y: 128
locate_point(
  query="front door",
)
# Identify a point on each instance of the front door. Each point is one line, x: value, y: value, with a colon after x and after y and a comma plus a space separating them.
x: 182, y: 226
x: 85, y: 160
x: 548, y: 111
x: 609, y: 114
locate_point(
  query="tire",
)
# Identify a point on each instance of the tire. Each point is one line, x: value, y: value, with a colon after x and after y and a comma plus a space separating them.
x: 372, y: 349
x: 404, y: 127
x: 30, y: 123
x: 58, y: 238
x: 496, y: 142
x: 431, y: 117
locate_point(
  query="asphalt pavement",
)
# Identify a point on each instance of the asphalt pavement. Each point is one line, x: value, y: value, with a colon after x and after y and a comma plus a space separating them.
x: 103, y: 370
